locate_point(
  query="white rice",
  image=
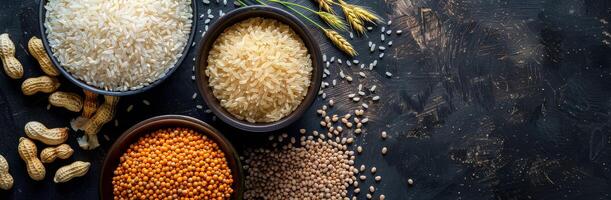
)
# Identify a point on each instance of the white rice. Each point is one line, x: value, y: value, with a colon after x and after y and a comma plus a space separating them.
x: 259, y: 69
x: 118, y: 45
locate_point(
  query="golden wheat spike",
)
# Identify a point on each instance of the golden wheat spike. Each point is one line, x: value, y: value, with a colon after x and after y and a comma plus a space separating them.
x: 333, y: 20
x: 325, y: 5
x: 353, y: 19
x: 341, y: 42
x: 365, y: 14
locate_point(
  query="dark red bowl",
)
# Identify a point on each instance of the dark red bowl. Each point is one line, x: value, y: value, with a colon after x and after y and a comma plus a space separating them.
x: 168, y: 121
x: 239, y: 15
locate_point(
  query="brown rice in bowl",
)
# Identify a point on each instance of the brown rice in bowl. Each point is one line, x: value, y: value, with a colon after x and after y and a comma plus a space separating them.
x: 259, y: 69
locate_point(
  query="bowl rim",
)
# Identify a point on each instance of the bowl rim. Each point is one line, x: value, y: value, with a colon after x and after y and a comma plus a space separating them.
x: 234, y: 17
x: 185, y: 52
x: 142, y: 128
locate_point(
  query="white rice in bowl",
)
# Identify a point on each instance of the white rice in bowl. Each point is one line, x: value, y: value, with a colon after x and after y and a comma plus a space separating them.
x: 259, y: 69
x: 118, y: 45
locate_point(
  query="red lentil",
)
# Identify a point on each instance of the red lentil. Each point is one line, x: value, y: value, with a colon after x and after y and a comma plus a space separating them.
x: 175, y: 163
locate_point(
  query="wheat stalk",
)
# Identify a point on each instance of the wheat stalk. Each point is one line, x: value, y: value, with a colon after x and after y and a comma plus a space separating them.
x: 330, y: 18
x: 340, y: 42
x: 365, y: 14
x: 351, y: 16
x: 333, y: 20
x: 325, y: 5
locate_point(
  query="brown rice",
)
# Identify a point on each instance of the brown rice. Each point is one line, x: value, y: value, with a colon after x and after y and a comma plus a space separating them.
x: 259, y: 69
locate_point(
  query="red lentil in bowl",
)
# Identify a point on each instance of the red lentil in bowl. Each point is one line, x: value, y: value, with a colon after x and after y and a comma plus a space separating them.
x: 172, y: 156
x: 173, y: 162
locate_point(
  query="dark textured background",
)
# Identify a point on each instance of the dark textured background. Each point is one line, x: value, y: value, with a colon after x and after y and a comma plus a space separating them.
x: 489, y: 100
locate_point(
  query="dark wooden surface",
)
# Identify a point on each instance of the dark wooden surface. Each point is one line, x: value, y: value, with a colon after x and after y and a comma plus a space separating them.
x: 489, y: 100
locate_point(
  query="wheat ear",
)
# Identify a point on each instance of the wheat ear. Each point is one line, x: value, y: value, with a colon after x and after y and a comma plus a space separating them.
x: 351, y: 16
x: 340, y: 42
x: 365, y: 14
x: 325, y: 5
x: 333, y: 20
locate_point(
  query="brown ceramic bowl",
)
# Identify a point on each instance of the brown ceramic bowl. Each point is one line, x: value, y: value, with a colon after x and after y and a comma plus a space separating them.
x: 168, y: 121
x: 239, y: 15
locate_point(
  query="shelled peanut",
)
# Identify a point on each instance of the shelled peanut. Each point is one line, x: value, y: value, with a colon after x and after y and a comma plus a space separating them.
x: 38, y: 52
x: 90, y: 105
x: 44, y: 84
x: 6, y: 180
x: 12, y: 66
x: 103, y: 115
x: 38, y: 131
x: 70, y: 101
x: 68, y: 172
x: 27, y: 151
x: 49, y: 154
